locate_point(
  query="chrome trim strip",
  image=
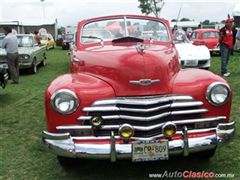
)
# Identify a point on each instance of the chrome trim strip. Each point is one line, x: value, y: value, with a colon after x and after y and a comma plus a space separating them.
x: 142, y: 128
x: 145, y: 110
x: 186, y: 104
x: 56, y: 136
x: 149, y: 118
x: 113, y: 148
x: 100, y: 108
x: 114, y: 108
x: 140, y: 100
x: 104, y: 117
x: 189, y: 111
x: 140, y: 138
x: 185, y: 141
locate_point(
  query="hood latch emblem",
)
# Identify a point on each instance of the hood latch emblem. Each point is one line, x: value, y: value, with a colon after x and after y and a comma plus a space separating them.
x: 144, y: 82
x: 140, y: 47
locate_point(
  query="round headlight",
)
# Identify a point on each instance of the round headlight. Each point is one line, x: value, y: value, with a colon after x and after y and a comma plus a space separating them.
x: 218, y: 93
x: 64, y: 101
x: 126, y: 131
x: 24, y: 56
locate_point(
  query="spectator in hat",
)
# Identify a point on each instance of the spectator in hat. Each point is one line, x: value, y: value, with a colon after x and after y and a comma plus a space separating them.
x: 226, y: 45
x: 10, y: 44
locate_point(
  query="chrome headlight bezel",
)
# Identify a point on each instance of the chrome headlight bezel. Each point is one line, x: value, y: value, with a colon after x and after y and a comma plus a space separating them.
x: 212, y: 87
x: 65, y: 92
x: 24, y: 56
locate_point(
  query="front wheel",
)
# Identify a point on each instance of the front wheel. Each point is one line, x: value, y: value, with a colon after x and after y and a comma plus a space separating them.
x: 33, y: 68
x: 43, y: 63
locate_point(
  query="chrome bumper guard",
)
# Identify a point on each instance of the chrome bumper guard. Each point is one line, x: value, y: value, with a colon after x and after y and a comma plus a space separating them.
x: 63, y: 144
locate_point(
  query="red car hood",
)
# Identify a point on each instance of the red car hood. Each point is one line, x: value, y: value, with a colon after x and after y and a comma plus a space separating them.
x: 128, y: 71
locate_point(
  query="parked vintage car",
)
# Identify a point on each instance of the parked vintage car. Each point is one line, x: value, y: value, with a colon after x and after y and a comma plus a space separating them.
x: 3, y: 77
x: 59, y: 41
x: 127, y: 97
x: 68, y: 41
x: 207, y: 37
x: 30, y: 55
x: 48, y: 40
x: 191, y: 55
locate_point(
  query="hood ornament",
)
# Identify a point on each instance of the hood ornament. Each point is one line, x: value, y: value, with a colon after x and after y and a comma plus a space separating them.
x: 140, y: 47
x: 144, y: 82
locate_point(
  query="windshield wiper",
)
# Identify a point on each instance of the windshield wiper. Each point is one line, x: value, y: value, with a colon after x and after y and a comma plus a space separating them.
x: 93, y: 37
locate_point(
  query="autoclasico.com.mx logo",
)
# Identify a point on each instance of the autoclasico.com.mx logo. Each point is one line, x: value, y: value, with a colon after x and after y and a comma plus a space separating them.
x: 191, y: 175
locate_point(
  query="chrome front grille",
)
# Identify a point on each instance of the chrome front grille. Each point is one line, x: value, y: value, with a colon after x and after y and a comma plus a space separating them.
x: 146, y: 114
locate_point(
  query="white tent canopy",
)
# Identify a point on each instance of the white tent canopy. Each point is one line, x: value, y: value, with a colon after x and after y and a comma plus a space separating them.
x: 236, y: 11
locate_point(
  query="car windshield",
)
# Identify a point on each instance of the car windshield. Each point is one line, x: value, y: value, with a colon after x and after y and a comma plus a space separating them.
x: 44, y: 37
x: 25, y: 41
x: 69, y: 37
x: 108, y: 30
x: 1, y: 40
x: 180, y: 36
x: 210, y: 35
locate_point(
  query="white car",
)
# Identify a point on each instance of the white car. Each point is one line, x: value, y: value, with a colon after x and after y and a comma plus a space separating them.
x: 189, y: 54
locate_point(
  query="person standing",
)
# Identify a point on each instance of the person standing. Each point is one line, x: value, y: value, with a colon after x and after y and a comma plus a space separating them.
x: 226, y: 44
x: 10, y: 44
x: 37, y: 38
x: 238, y: 40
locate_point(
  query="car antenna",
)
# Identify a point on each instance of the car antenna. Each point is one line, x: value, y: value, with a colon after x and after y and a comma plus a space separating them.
x: 179, y: 12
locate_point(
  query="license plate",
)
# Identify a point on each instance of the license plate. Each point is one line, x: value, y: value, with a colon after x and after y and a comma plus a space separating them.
x: 150, y: 151
x: 5, y: 66
x: 191, y: 63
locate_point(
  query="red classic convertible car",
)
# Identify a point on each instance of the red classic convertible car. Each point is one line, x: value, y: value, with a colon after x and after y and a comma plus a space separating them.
x: 127, y: 97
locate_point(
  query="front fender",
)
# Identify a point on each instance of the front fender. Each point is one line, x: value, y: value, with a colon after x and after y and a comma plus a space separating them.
x: 87, y: 89
x: 195, y: 82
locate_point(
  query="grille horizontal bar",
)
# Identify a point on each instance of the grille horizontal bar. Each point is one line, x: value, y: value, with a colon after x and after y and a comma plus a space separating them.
x: 141, y: 100
x: 114, y: 108
x: 150, y: 118
x: 139, y: 138
x: 142, y: 128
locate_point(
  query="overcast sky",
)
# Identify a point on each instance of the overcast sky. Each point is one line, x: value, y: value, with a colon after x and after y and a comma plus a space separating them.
x: 69, y: 12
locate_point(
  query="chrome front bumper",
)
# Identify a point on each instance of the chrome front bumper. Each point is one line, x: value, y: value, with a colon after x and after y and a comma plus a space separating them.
x: 63, y: 144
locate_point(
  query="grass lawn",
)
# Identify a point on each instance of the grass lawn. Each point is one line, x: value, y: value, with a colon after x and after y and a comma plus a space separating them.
x: 22, y: 119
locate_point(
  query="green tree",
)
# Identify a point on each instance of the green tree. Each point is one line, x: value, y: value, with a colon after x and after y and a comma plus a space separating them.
x: 206, y: 22
x: 185, y: 19
x: 61, y: 30
x: 151, y: 6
